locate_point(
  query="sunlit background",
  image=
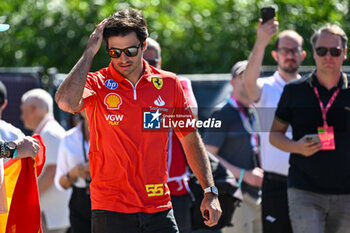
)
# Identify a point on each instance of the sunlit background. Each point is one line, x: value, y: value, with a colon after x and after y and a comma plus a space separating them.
x: 197, y: 36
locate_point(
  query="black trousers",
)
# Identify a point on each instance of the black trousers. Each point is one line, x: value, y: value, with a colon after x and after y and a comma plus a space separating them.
x: 182, y: 211
x: 274, y: 205
x: 80, y: 211
x: 104, y: 221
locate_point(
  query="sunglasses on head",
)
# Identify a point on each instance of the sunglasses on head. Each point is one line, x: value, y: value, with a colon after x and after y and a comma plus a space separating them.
x: 130, y: 51
x: 334, y: 51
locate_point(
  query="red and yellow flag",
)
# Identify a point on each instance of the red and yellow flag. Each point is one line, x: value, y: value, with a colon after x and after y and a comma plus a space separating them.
x: 22, y: 193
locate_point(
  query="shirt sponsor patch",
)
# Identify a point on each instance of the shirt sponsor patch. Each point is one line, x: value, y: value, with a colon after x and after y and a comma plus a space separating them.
x: 111, y: 84
x: 159, y: 101
x: 157, y: 83
x: 114, y: 119
x: 113, y: 101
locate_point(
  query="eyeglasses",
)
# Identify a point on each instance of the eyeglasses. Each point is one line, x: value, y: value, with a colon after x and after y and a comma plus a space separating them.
x: 334, y: 51
x: 130, y: 51
x: 152, y: 62
x: 285, y: 51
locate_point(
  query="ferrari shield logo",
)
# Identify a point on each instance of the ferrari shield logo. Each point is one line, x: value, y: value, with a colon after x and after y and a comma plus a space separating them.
x: 158, y: 83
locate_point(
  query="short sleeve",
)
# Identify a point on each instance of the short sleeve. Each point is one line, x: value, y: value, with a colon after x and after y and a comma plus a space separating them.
x: 182, y: 112
x: 216, y: 137
x: 189, y: 95
x: 89, y: 93
x: 283, y: 111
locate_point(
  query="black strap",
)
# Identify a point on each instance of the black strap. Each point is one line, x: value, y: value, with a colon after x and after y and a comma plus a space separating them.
x: 256, y: 160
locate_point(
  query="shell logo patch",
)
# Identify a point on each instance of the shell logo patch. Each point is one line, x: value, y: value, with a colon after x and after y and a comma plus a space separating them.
x: 113, y: 101
x: 157, y: 83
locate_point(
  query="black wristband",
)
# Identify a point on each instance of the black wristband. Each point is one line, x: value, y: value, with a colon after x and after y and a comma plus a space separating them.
x: 3, y: 151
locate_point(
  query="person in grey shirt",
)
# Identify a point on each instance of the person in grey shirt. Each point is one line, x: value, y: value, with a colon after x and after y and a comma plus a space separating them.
x: 236, y: 145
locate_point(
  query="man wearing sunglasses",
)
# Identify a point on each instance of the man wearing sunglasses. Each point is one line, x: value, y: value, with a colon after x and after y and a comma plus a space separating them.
x: 318, y: 104
x: 124, y: 104
x: 265, y: 92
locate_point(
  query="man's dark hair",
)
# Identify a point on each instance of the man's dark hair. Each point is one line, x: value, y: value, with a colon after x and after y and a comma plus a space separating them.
x: 124, y: 22
x: 3, y: 94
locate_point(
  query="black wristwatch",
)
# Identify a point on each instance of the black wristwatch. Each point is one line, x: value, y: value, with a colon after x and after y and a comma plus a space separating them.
x: 12, y: 147
x: 212, y: 189
x: 3, y: 152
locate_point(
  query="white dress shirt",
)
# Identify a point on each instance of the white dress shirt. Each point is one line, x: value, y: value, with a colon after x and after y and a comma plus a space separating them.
x: 53, y: 203
x: 71, y: 154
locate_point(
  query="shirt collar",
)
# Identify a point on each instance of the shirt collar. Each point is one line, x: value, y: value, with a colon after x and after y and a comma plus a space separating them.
x: 342, y: 84
x: 280, y: 79
x: 47, y: 118
x: 147, y: 74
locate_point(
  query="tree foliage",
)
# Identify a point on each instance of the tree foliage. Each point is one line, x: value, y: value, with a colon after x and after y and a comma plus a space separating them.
x: 197, y: 36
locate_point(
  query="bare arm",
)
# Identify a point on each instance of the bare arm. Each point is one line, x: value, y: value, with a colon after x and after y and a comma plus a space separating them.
x: 199, y: 163
x: 282, y: 142
x: 46, y: 178
x: 264, y: 34
x: 69, y: 94
x: 252, y: 177
x: 78, y: 171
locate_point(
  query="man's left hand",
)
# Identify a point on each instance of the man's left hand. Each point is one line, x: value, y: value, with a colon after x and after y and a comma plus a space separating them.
x: 211, y: 209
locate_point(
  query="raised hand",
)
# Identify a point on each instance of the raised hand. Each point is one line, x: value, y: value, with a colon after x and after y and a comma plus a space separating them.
x: 266, y: 31
x: 95, y: 40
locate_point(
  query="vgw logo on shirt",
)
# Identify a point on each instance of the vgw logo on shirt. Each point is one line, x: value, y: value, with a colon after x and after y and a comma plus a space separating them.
x: 114, y: 119
x: 111, y: 84
x: 151, y: 120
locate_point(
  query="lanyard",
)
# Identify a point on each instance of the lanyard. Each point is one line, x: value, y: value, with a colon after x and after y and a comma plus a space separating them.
x: 278, y: 82
x: 41, y: 128
x: 249, y: 124
x: 234, y: 103
x: 324, y: 110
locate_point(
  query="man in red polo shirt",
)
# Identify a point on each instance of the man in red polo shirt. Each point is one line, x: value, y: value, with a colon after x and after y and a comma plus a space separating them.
x: 126, y: 104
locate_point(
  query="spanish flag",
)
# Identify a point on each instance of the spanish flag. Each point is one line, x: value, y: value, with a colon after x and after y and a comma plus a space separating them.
x: 22, y: 193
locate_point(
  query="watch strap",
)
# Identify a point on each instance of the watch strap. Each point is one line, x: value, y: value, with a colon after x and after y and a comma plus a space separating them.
x: 3, y: 153
x: 11, y: 149
x: 14, y: 155
x: 211, y: 189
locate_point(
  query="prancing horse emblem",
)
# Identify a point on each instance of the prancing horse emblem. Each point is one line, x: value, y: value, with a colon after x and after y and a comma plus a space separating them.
x: 158, y: 83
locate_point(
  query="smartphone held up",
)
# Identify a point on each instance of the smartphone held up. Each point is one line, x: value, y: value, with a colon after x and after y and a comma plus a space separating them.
x: 267, y: 13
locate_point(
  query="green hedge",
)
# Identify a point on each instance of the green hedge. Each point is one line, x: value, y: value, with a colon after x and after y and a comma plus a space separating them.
x: 197, y: 36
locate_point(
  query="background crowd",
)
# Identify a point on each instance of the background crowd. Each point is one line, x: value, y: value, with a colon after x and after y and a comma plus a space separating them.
x: 245, y: 147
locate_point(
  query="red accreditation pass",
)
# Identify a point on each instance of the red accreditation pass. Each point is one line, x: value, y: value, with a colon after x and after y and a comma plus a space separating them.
x: 326, y: 135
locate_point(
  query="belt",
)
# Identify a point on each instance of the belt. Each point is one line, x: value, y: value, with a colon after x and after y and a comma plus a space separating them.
x: 275, y: 177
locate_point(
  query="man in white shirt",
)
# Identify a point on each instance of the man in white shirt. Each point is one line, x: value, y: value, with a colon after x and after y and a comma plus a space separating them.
x: 37, y: 115
x: 265, y: 92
